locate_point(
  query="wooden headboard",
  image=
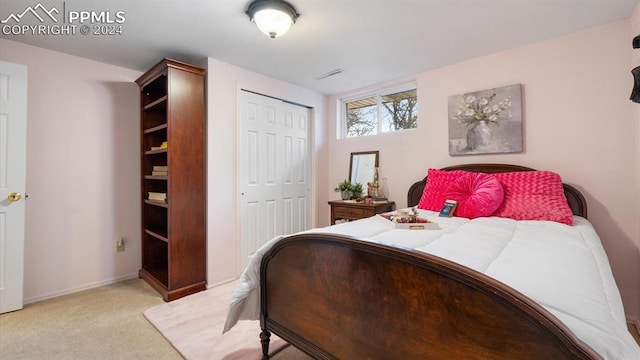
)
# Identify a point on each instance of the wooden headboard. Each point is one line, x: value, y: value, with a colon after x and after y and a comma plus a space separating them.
x: 575, y: 199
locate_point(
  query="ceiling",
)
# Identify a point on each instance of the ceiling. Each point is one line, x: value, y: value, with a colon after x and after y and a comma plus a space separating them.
x: 370, y: 40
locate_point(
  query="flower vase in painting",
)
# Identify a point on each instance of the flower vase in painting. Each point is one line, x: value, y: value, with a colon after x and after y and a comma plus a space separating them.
x: 479, y: 136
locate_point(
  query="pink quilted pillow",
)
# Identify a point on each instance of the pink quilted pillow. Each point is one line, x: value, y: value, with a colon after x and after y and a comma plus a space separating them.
x: 533, y: 195
x: 478, y: 195
x: 438, y: 182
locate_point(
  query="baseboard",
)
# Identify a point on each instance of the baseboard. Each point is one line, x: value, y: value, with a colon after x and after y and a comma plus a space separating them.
x: 220, y: 283
x: 78, y: 288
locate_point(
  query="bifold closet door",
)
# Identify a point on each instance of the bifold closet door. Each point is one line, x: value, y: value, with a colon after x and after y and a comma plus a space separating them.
x: 274, y: 170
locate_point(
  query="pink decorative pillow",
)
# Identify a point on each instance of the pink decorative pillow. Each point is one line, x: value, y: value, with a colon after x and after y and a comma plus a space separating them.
x: 533, y: 195
x: 438, y: 182
x: 478, y: 195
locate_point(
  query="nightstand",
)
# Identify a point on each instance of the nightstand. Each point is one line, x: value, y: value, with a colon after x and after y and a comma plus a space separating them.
x: 354, y: 211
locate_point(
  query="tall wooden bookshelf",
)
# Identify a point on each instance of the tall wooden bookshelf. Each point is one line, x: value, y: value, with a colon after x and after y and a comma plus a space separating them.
x: 173, y: 230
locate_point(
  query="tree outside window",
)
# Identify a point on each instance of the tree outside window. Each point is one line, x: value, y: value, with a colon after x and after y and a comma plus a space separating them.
x: 383, y: 112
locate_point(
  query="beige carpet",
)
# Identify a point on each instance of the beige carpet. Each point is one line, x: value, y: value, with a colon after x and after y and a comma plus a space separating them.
x: 103, y: 323
x: 193, y: 325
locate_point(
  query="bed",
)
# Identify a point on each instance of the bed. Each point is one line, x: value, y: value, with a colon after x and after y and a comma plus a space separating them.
x: 487, y: 288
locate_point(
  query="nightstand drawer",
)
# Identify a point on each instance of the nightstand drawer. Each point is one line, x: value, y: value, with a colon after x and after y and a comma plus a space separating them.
x: 341, y: 210
x: 351, y: 213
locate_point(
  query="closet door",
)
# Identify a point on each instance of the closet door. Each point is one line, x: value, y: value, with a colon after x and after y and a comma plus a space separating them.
x: 274, y: 170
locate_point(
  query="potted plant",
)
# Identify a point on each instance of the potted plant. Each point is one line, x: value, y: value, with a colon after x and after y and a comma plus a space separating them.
x: 357, y: 190
x: 346, y: 189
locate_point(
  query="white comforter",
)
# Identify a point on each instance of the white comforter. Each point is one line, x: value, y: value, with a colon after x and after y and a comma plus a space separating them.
x: 563, y: 268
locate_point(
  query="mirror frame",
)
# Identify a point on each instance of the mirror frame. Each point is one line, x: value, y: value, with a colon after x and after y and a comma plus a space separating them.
x: 351, y: 169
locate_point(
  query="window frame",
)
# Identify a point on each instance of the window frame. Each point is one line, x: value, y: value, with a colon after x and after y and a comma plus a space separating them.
x: 379, y: 93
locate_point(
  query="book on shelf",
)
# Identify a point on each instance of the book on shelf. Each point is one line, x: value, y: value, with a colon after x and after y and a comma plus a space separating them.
x: 162, y: 146
x: 159, y: 173
x: 448, y: 208
x: 160, y: 168
x: 157, y: 196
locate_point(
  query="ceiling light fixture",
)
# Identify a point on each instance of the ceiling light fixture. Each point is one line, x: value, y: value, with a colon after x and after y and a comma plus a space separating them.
x: 273, y: 17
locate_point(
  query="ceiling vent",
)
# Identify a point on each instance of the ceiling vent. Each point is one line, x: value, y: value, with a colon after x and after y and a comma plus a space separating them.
x: 330, y: 73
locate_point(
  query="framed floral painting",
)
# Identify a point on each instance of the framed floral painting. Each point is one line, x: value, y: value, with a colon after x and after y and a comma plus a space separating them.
x: 486, y: 122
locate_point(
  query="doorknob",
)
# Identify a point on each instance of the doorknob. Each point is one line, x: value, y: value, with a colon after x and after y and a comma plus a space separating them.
x: 14, y: 196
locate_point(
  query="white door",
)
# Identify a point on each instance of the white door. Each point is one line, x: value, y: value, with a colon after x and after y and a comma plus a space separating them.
x: 274, y: 170
x: 13, y: 169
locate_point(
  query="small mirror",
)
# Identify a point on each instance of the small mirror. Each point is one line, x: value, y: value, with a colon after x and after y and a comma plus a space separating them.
x: 363, y: 167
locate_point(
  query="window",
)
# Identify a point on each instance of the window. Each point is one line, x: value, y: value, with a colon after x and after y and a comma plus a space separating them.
x: 384, y: 111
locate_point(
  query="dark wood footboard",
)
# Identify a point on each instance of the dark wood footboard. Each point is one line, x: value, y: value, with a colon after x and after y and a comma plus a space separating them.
x: 338, y: 298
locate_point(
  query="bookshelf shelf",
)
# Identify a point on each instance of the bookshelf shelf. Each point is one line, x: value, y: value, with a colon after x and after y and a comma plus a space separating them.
x: 159, y: 273
x: 155, y: 234
x: 155, y: 128
x: 153, y: 152
x: 152, y: 177
x: 173, y: 233
x: 156, y: 103
x: 156, y: 203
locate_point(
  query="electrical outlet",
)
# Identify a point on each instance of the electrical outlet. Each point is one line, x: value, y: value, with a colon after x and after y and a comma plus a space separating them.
x: 120, y: 245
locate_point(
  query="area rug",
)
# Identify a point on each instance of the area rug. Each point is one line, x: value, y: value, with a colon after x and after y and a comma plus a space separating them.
x: 193, y: 325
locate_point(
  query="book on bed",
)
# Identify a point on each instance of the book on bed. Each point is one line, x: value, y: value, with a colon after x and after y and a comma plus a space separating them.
x: 449, y: 208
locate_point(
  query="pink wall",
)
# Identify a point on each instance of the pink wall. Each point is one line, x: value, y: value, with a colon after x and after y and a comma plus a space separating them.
x: 578, y: 121
x: 82, y: 171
